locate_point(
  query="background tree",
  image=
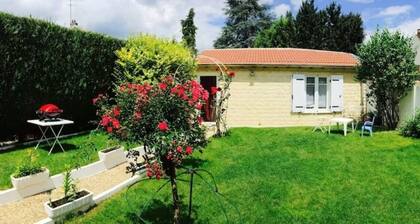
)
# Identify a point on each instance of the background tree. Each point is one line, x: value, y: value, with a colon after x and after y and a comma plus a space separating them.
x: 387, y: 66
x: 327, y: 29
x: 309, y: 26
x: 245, y: 19
x: 280, y: 34
x: 189, y: 31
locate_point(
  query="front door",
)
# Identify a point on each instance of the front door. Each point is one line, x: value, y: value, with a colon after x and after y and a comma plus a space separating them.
x: 209, y: 108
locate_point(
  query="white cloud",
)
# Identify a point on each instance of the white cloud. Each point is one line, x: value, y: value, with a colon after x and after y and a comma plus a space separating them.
x: 408, y: 27
x: 395, y: 10
x: 361, y: 1
x: 121, y: 18
x: 267, y: 2
x: 296, y: 4
x: 281, y: 10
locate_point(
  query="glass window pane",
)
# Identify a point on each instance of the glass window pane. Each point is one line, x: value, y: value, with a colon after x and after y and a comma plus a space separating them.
x: 310, y: 92
x: 322, y: 93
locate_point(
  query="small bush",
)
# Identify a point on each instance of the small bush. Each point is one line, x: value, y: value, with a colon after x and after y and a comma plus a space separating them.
x: 147, y: 58
x: 29, y: 166
x: 411, y: 127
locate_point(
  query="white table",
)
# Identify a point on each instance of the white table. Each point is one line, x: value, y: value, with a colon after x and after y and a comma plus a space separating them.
x: 341, y: 120
x: 44, y: 126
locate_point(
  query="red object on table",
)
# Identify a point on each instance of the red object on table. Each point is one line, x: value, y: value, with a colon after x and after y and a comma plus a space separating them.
x: 49, y: 111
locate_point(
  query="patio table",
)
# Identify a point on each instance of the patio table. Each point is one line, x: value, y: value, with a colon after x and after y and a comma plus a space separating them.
x: 45, y: 125
x: 341, y: 120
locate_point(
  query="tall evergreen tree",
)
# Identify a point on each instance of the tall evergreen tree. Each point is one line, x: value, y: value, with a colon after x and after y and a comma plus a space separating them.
x: 351, y: 33
x: 309, y: 26
x: 245, y: 19
x: 331, y: 28
x: 189, y: 31
x: 280, y: 34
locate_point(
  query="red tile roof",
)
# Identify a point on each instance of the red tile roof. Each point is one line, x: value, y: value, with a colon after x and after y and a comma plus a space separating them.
x: 277, y: 56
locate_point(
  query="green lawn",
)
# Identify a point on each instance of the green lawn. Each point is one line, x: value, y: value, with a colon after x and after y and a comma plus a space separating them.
x: 289, y: 175
x: 57, y: 161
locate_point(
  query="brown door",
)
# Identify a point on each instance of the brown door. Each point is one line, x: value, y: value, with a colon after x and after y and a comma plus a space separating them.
x: 209, y: 107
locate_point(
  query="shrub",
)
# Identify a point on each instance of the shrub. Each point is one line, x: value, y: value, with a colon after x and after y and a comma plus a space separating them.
x: 411, y: 127
x: 165, y: 117
x: 146, y: 58
x: 45, y: 63
x: 29, y: 166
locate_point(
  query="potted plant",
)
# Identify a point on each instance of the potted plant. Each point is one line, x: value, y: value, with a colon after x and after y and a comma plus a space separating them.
x: 31, y: 178
x: 72, y: 202
x: 112, y: 156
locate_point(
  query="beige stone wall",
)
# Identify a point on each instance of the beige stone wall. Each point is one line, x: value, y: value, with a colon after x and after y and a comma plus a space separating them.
x: 264, y: 100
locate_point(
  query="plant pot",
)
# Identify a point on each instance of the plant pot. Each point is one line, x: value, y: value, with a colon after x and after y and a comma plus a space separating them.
x: 60, y: 208
x: 33, y: 184
x: 112, y: 157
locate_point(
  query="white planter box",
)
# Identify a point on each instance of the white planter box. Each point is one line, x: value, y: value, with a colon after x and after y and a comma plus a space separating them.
x: 112, y: 158
x: 33, y: 184
x: 80, y: 204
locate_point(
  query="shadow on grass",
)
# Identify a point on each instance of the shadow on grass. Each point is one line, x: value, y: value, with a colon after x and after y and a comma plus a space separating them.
x: 194, y: 162
x: 57, y: 148
x: 159, y: 212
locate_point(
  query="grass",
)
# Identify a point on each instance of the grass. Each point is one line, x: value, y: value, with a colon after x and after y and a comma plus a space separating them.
x: 288, y: 175
x: 57, y: 161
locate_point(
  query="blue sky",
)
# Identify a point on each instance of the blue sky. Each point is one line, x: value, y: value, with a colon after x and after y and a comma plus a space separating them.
x: 121, y: 18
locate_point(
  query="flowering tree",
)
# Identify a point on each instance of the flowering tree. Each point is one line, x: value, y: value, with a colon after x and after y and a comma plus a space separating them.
x: 165, y: 117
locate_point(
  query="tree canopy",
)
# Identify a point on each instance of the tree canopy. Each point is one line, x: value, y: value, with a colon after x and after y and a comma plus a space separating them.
x: 387, y: 66
x: 245, y: 19
x: 188, y: 31
x: 327, y: 29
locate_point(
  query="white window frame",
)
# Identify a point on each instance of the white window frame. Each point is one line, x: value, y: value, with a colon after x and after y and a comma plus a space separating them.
x: 315, y: 109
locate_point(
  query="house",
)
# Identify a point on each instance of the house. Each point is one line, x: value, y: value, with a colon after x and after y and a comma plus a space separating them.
x: 285, y: 86
x: 411, y: 103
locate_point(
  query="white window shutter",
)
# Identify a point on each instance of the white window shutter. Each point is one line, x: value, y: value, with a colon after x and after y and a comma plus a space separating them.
x: 336, y: 93
x: 298, y: 93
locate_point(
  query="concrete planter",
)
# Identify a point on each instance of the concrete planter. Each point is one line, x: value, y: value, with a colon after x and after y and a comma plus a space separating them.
x: 112, y: 157
x: 80, y: 204
x: 33, y: 184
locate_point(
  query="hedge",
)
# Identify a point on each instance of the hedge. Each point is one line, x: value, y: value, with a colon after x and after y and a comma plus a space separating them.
x: 45, y: 63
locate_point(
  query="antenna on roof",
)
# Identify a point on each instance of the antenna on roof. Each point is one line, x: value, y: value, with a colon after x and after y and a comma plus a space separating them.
x: 73, y: 22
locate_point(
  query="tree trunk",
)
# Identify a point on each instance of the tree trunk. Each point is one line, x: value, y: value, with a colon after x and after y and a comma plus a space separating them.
x: 177, y: 210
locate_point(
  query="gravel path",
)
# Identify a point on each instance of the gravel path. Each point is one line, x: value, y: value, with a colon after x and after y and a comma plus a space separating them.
x: 31, y: 209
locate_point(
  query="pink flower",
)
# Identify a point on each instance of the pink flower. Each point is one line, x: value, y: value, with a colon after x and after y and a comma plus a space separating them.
x: 163, y: 126
x: 109, y: 129
x: 205, y: 95
x: 179, y: 149
x: 137, y: 115
x: 198, y: 106
x: 200, y: 120
x: 188, y: 150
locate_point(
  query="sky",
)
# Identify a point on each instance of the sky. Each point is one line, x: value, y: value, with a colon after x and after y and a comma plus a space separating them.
x: 122, y: 18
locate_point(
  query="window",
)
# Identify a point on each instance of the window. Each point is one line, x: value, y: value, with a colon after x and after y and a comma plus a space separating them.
x: 316, y: 93
x: 312, y: 93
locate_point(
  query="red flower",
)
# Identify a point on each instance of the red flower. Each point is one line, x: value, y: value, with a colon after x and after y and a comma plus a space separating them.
x: 116, y: 111
x: 109, y: 129
x: 179, y: 149
x: 116, y: 124
x: 205, y: 95
x: 188, y: 150
x: 163, y: 86
x: 231, y: 74
x: 163, y: 126
x: 198, y: 106
x: 105, y: 120
x: 214, y: 90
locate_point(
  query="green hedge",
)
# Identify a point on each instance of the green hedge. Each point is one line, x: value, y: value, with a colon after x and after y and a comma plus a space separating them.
x: 45, y: 63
